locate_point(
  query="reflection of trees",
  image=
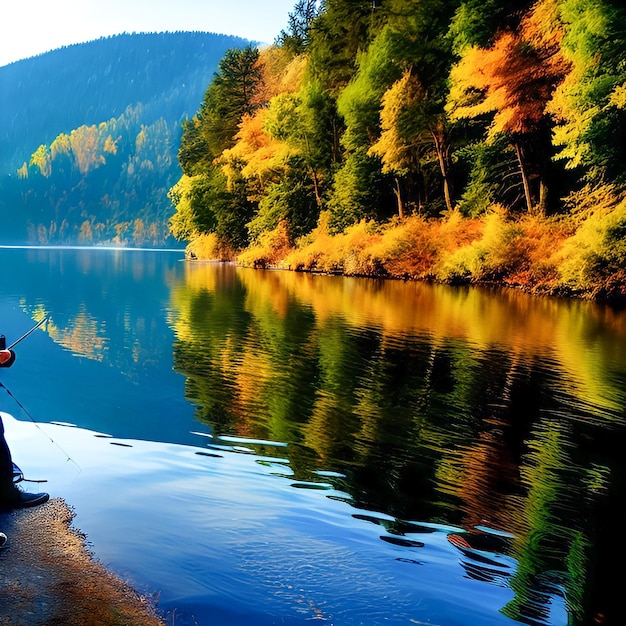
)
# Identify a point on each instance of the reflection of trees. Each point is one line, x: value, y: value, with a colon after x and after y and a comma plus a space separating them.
x: 442, y: 426
x: 99, y: 302
x: 210, y: 327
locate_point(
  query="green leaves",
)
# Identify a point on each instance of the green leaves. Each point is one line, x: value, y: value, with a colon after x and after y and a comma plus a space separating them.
x: 229, y: 97
x: 591, y: 124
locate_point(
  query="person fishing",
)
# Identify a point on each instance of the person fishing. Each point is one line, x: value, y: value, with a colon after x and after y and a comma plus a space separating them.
x: 11, y: 496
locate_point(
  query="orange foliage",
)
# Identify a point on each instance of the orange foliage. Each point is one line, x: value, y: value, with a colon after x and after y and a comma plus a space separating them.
x: 412, y: 247
x: 518, y: 253
x: 516, y: 77
x: 407, y: 248
x: 531, y: 252
x: 272, y: 247
x: 281, y: 73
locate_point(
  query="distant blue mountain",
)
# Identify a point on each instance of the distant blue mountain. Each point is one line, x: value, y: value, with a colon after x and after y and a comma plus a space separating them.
x: 128, y: 92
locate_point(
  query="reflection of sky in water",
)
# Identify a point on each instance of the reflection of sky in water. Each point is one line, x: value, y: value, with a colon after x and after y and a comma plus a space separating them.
x: 219, y: 535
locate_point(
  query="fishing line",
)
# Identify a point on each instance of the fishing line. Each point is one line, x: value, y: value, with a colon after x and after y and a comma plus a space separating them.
x: 43, y: 432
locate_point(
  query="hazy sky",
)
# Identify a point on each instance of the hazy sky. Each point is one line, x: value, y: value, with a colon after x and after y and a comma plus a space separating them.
x: 30, y: 27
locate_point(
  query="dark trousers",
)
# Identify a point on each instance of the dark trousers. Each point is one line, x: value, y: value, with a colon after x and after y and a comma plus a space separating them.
x: 6, y: 464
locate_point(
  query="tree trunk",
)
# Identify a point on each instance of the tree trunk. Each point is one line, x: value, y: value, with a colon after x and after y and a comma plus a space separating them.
x: 543, y: 196
x: 314, y: 178
x: 399, y: 198
x: 316, y: 186
x: 444, y: 166
x: 522, y: 167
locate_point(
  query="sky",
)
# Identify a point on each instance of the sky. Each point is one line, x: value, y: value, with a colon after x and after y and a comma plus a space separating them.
x: 31, y: 27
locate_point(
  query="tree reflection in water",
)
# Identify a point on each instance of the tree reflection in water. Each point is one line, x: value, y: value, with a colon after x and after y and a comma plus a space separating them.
x: 439, y: 405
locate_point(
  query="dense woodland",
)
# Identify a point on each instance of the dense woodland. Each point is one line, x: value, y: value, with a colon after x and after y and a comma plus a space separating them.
x: 89, y: 135
x: 460, y: 141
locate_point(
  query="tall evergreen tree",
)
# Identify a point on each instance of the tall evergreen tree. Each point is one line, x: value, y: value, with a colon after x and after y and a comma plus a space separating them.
x: 296, y: 37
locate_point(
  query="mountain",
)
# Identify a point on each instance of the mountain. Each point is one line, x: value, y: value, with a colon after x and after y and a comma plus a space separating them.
x: 89, y: 135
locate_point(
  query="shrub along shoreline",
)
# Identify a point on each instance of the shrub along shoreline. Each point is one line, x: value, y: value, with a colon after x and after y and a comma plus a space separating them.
x: 583, y: 257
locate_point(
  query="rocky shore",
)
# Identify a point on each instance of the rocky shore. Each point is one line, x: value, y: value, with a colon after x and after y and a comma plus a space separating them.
x: 48, y: 576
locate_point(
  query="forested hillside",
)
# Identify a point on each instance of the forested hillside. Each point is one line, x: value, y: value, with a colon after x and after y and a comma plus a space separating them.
x: 461, y: 141
x: 89, y: 134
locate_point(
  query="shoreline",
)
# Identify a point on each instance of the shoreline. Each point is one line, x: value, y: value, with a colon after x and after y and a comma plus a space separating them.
x: 48, y: 575
x: 540, y: 290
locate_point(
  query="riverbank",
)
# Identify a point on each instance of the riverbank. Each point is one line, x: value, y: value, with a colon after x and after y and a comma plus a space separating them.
x: 534, y: 253
x: 48, y: 576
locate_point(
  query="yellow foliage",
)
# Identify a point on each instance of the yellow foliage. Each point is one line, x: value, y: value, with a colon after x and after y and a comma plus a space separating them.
x: 280, y: 73
x: 272, y: 247
x: 208, y: 247
x: 542, y: 26
x: 182, y: 222
x: 293, y: 76
x: 573, y: 122
x: 255, y: 153
x: 408, y: 248
x: 592, y: 200
x: 110, y: 145
x: 355, y: 245
x: 85, y: 142
x: 86, y: 233
x: 347, y: 253
x: 310, y: 251
x: 61, y: 145
x: 618, y: 97
x: 22, y: 172
x: 41, y: 159
x: 394, y: 149
x: 592, y: 261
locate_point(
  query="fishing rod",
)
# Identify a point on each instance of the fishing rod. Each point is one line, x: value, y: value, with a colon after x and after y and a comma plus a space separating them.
x: 32, y: 330
x: 22, y: 407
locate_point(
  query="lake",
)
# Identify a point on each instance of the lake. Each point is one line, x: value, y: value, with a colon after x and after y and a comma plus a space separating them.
x: 263, y: 447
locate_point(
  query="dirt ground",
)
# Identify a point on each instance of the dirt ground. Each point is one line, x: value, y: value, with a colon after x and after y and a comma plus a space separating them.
x: 49, y: 577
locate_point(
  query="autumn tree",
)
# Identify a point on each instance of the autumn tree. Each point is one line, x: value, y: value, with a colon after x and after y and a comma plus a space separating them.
x: 290, y: 200
x: 513, y: 81
x: 400, y: 149
x: 410, y: 52
x: 306, y: 121
x: 210, y: 201
x: 206, y: 203
x: 41, y: 158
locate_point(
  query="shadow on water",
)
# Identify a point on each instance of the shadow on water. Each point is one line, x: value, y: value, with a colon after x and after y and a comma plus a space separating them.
x: 460, y: 446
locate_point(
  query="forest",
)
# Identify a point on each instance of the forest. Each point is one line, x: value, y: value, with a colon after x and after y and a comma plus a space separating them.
x: 89, y: 134
x: 451, y: 141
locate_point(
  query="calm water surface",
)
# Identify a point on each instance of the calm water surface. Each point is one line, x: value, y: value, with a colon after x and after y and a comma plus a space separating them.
x: 276, y: 448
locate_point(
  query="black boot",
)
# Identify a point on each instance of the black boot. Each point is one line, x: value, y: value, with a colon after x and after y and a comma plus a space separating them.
x: 14, y: 498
